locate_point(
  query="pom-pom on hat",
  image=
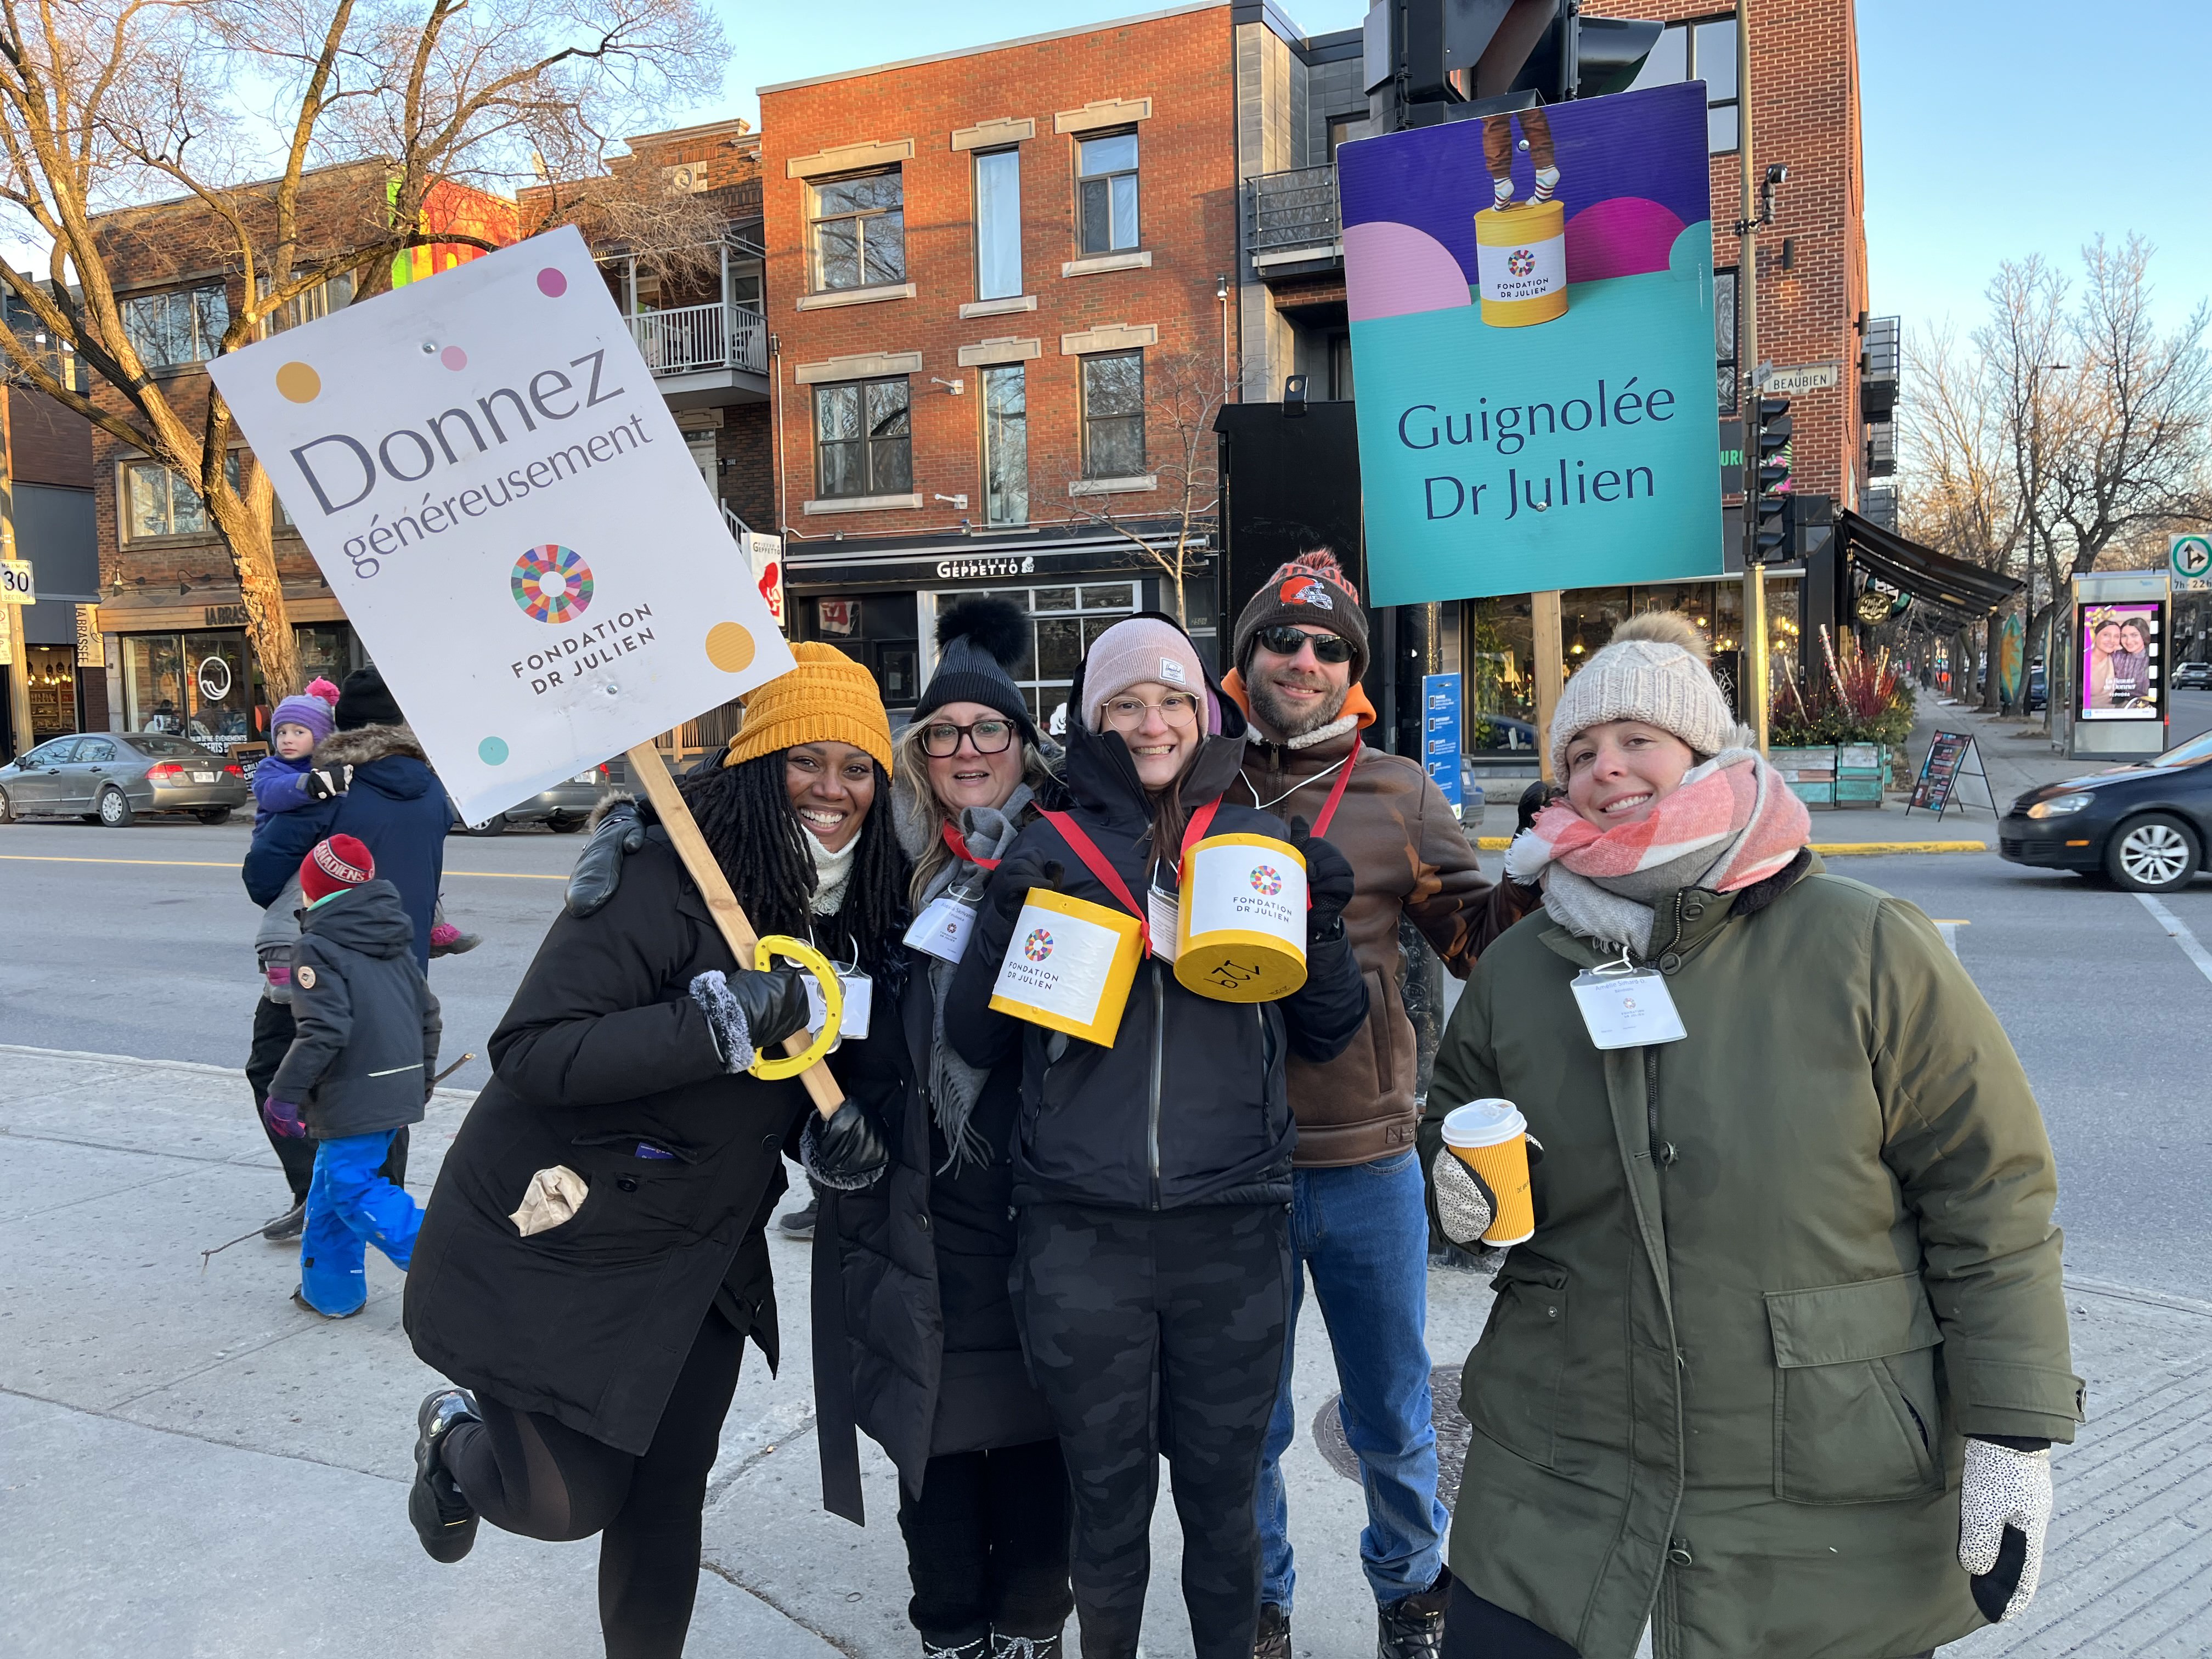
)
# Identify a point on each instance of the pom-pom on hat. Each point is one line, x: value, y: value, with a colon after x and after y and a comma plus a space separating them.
x: 334, y: 865
x: 1310, y: 591
x: 827, y: 698
x: 315, y: 708
x: 1654, y: 669
x: 981, y: 643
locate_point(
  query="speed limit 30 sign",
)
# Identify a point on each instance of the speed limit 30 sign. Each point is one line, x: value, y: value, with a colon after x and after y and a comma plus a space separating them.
x: 15, y: 584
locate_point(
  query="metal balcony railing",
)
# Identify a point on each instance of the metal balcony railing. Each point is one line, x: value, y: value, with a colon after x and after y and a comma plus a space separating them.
x: 1285, y: 212
x: 694, y: 338
x: 1878, y: 369
x: 1881, y: 448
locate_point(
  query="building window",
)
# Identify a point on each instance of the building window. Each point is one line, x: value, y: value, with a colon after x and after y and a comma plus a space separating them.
x: 1114, y: 415
x: 863, y: 443
x: 998, y: 224
x: 858, y: 232
x: 1106, y: 186
x: 317, y: 302
x: 1727, y: 370
x: 169, y: 331
x: 1065, y: 622
x: 1006, y: 444
x: 1701, y: 52
x: 158, y: 501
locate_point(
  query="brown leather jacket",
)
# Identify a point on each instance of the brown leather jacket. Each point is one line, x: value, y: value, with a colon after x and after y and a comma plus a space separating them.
x: 1408, y: 855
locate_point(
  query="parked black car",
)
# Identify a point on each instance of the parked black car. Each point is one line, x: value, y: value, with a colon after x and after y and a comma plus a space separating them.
x: 2145, y: 826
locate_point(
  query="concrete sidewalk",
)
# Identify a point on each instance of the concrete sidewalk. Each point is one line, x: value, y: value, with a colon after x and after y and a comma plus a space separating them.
x: 194, y: 1467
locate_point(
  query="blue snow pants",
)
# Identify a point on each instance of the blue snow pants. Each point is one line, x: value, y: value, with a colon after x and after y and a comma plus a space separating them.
x: 351, y: 1206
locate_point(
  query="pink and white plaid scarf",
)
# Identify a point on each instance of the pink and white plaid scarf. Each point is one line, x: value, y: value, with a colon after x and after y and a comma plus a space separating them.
x: 1733, y: 797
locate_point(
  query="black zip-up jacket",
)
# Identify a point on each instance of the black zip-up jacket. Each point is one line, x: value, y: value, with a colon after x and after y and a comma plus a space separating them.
x: 368, y: 1027
x: 1188, y: 1106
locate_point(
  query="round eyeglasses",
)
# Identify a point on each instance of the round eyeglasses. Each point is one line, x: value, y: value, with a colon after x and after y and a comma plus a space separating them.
x: 1128, y: 713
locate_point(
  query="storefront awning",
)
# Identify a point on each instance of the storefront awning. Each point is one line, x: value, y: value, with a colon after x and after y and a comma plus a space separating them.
x: 1934, y: 579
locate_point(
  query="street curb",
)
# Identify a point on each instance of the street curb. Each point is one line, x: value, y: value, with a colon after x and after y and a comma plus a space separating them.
x: 1826, y: 849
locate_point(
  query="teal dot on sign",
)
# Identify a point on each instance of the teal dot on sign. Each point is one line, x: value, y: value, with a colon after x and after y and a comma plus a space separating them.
x: 492, y: 752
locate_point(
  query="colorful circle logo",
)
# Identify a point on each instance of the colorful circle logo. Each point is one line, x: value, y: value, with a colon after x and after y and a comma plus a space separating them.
x: 1266, y: 879
x: 1037, y: 946
x: 1521, y: 261
x: 552, y: 583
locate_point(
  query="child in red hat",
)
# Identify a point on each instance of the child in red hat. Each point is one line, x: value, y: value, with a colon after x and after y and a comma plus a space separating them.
x: 359, y: 1068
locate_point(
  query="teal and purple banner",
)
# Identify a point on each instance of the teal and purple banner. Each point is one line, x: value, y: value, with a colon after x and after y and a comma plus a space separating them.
x: 1531, y: 299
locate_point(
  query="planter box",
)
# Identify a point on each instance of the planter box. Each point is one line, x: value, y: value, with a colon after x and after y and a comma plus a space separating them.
x: 1810, y: 774
x: 1862, y: 774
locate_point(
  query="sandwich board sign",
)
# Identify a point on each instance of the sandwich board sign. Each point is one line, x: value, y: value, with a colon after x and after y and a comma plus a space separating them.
x: 488, y: 478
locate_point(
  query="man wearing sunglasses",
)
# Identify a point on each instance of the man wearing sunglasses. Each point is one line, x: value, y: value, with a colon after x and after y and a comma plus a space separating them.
x: 1358, y: 1221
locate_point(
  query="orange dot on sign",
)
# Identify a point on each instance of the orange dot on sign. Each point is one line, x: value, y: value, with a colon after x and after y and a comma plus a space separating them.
x: 729, y: 648
x: 299, y: 383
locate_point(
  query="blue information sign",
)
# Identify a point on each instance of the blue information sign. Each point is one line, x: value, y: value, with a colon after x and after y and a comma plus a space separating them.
x: 1440, y: 734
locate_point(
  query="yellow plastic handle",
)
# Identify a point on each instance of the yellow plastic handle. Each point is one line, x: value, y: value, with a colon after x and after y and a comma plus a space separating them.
x: 832, y: 1000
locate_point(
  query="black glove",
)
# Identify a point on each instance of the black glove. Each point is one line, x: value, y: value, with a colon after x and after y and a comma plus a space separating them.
x: 750, y: 1011
x: 1533, y: 800
x: 599, y: 867
x: 1328, y: 883
x: 326, y: 781
x: 1011, y: 881
x: 843, y: 1150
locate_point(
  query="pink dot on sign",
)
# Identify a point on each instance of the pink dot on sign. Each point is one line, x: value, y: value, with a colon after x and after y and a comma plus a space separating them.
x: 453, y: 357
x: 551, y: 283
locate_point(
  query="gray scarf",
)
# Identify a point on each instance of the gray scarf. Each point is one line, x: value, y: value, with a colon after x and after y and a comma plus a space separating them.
x: 954, y: 1085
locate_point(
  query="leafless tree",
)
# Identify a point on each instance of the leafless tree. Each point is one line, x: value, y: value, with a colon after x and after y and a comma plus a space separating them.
x: 1183, y: 393
x: 111, y: 105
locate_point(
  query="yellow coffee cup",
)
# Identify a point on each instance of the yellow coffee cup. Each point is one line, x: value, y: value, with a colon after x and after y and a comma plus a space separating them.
x: 1491, y: 1138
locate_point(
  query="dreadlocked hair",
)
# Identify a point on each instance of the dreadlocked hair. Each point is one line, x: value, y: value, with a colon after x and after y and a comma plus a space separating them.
x: 745, y: 812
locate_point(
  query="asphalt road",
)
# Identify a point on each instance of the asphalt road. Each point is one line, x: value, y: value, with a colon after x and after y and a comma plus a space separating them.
x: 151, y: 955
x: 2187, y: 713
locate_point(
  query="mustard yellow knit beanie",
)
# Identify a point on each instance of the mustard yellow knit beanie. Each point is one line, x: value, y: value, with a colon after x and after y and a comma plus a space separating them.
x: 827, y: 698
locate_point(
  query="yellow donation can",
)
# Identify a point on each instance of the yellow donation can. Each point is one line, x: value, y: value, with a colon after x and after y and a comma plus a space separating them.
x: 1521, y: 262
x: 1069, y: 966
x: 1242, y: 935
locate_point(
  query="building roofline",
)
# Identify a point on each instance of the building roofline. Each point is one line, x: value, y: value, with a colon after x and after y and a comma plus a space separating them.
x: 1279, y: 22
x: 995, y: 46
x: 736, y: 125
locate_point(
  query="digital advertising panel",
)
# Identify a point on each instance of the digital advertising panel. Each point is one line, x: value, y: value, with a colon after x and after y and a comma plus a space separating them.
x: 2121, y: 677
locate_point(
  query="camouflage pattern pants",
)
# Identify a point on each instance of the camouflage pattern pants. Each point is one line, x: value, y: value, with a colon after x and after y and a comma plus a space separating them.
x: 1151, y: 1333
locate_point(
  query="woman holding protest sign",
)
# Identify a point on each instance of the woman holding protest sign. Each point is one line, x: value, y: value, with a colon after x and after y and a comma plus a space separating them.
x: 1153, y: 1159
x: 592, y: 1258
x: 1780, y: 1346
x: 914, y: 1338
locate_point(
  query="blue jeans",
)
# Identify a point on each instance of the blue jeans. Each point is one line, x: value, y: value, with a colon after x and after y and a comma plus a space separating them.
x: 1363, y: 1232
x: 351, y: 1206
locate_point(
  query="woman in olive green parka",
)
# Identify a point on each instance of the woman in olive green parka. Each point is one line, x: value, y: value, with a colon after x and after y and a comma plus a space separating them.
x: 1794, y: 1282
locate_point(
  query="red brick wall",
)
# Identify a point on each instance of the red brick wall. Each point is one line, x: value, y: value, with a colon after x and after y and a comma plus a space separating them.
x: 52, y: 445
x: 1187, y: 219
x: 1805, y: 112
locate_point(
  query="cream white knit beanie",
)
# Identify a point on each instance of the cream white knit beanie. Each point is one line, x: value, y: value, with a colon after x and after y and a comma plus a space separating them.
x: 1654, y: 669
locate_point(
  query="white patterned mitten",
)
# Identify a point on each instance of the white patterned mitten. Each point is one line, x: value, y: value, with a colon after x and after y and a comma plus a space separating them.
x: 2001, y: 1488
x: 1465, y: 1205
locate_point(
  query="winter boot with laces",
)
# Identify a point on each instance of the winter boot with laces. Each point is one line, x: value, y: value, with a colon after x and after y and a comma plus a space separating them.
x: 1271, y: 1638
x: 443, y: 1517
x: 977, y: 1646
x: 1024, y: 1647
x: 1414, y: 1627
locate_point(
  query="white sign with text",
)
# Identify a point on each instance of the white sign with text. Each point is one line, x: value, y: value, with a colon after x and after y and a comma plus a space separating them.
x: 486, y: 474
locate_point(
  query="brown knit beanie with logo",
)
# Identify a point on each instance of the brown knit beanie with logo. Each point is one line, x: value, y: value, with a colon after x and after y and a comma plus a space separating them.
x: 1312, y: 590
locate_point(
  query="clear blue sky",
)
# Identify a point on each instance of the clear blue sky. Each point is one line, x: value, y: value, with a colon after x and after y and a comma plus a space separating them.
x: 1994, y: 127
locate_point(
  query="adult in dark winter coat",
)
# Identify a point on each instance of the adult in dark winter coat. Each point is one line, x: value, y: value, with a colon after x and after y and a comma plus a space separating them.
x: 1779, y: 1370
x: 592, y: 1260
x: 1152, y: 1178
x: 910, y: 1272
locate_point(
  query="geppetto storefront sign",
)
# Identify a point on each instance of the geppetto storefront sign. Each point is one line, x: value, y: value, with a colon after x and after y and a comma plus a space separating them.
x: 1531, y: 297
x: 485, y: 473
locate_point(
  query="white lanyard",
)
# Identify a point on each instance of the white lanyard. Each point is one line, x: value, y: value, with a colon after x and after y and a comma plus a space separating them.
x: 1625, y: 1006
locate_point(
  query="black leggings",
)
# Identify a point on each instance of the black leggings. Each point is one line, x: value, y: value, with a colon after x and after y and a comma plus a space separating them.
x: 986, y: 1544
x: 525, y: 1472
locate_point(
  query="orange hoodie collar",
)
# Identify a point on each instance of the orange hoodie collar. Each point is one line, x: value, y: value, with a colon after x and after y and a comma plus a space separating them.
x: 1355, y: 704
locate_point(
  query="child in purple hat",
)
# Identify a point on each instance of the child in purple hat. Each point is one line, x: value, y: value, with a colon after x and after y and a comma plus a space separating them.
x: 285, y: 780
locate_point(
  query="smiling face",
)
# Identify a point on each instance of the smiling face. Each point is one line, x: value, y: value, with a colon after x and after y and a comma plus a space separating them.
x: 1160, y: 725
x: 1299, y: 693
x: 2133, y: 640
x: 1617, y: 772
x: 831, y: 785
x: 964, y: 778
x: 2108, y: 638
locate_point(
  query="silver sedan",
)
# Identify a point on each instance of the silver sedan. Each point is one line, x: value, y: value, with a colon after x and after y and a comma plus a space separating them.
x: 110, y: 777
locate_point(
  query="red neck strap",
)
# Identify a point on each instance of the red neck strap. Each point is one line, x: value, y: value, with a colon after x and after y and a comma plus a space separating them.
x: 1336, y: 794
x: 958, y: 843
x: 1096, y: 862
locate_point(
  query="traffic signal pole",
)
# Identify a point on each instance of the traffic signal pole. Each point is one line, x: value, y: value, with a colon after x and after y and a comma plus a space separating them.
x: 1757, y: 661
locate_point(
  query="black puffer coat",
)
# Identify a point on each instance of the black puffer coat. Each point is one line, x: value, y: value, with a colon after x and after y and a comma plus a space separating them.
x: 602, y: 1053
x: 1188, y: 1105
x: 910, y: 1283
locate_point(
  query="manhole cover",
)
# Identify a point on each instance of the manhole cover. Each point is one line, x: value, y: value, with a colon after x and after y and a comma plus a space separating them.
x: 1452, y: 1434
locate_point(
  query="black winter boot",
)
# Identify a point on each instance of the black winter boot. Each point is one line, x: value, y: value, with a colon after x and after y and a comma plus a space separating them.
x: 287, y: 1226
x: 443, y: 1517
x: 1414, y: 1627
x: 1271, y: 1639
x: 956, y: 1647
x: 1024, y: 1647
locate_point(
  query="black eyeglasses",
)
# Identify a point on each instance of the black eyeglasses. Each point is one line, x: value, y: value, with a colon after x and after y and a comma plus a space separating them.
x: 940, y: 739
x: 1284, y: 641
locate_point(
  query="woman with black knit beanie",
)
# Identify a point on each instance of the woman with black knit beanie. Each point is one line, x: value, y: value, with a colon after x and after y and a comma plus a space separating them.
x: 592, y: 1258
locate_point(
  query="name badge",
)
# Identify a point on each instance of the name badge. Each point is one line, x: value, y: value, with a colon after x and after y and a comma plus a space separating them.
x: 1163, y: 917
x: 860, y: 996
x: 1627, y: 1007
x: 943, y: 928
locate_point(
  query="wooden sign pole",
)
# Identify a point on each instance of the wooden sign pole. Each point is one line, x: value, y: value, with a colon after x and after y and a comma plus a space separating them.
x: 647, y: 769
x: 1547, y: 641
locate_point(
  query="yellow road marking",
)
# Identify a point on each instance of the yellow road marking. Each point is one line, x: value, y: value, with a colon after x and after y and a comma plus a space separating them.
x: 206, y: 864
x: 1826, y: 849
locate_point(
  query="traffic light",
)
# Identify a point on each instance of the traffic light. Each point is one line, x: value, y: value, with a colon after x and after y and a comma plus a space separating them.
x: 1773, y: 541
